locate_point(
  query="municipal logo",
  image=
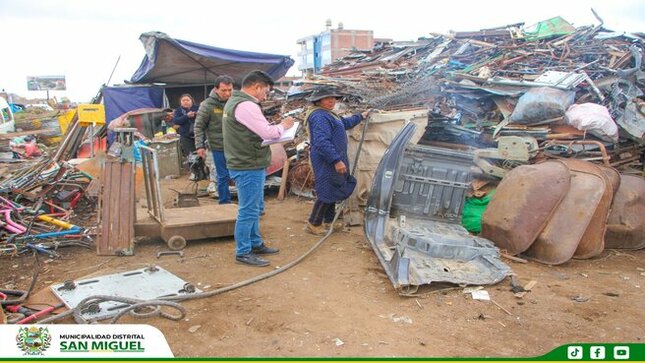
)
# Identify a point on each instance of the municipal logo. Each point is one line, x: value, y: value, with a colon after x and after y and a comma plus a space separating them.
x: 33, y: 340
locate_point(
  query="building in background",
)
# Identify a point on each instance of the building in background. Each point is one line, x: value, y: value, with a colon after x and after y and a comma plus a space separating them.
x: 317, y: 51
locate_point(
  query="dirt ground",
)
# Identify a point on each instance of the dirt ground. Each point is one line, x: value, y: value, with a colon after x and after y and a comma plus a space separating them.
x: 338, y: 302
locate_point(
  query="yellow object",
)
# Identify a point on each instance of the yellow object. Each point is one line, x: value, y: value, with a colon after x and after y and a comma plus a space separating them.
x: 89, y: 114
x: 170, y: 131
x: 65, y: 119
x: 56, y: 222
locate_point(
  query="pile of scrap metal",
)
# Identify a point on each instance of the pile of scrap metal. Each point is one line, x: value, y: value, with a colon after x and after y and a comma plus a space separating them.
x: 42, y: 199
x: 562, y: 209
x: 471, y: 81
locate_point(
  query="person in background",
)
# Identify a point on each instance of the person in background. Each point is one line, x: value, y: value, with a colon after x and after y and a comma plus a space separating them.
x: 208, y: 128
x: 184, y: 117
x: 244, y: 129
x: 328, y: 138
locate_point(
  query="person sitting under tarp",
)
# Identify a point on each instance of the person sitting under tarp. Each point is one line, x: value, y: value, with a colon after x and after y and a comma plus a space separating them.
x: 184, y: 117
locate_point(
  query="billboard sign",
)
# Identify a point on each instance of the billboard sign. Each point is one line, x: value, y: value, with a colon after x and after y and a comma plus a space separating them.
x: 46, y: 83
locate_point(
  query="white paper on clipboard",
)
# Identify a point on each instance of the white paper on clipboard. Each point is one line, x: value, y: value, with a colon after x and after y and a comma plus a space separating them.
x: 288, y: 135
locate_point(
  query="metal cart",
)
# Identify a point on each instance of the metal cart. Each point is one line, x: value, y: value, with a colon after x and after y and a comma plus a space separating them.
x: 177, y: 225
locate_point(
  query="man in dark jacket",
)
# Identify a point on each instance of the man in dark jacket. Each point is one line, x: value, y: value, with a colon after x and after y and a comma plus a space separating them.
x: 208, y: 127
x: 245, y: 127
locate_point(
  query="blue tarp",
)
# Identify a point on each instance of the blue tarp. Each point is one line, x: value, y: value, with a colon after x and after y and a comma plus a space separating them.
x: 177, y: 61
x: 119, y: 100
x: 15, y: 108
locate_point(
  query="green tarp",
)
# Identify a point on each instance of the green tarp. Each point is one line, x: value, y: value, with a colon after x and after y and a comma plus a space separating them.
x: 471, y: 216
x: 548, y: 28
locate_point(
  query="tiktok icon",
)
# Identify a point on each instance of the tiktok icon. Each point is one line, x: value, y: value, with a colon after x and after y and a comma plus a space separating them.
x: 574, y: 352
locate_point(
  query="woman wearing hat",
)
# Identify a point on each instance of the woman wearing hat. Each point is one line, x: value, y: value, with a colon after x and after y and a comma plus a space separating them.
x: 329, y: 158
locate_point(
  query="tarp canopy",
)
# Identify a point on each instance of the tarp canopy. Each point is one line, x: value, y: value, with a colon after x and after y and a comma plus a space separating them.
x: 177, y: 61
x: 119, y: 100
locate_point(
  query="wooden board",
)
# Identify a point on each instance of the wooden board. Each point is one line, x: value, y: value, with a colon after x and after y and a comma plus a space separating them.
x: 209, y: 221
x: 189, y: 217
x: 117, y: 213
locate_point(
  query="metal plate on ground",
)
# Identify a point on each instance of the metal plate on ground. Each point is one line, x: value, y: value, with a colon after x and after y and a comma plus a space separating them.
x: 144, y: 284
x: 445, y: 252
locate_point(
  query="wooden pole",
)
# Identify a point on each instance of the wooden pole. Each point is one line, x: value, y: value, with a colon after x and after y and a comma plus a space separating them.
x: 283, y: 181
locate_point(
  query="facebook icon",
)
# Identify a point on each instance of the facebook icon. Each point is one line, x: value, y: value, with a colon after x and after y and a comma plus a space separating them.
x: 597, y: 352
x: 574, y: 352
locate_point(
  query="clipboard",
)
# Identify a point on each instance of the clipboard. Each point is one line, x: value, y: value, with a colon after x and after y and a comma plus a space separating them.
x: 288, y: 135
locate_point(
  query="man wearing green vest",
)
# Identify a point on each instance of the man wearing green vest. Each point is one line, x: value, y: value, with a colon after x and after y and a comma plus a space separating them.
x: 244, y: 129
x: 208, y: 127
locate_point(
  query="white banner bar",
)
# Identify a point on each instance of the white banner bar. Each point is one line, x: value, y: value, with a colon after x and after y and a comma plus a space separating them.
x: 83, y: 341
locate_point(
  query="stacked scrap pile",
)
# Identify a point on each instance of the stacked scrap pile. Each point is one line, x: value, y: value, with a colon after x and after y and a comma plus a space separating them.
x: 471, y: 81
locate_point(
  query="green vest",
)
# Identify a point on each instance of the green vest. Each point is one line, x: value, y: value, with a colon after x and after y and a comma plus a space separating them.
x: 208, y: 124
x: 242, y: 147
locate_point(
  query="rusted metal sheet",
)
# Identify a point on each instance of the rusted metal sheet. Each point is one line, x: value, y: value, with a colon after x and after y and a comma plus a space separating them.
x: 523, y: 203
x: 593, y: 241
x: 613, y: 176
x: 559, y: 239
x: 626, y: 223
x: 117, y: 213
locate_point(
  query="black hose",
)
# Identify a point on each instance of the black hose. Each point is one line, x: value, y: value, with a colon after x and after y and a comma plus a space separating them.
x: 24, y: 296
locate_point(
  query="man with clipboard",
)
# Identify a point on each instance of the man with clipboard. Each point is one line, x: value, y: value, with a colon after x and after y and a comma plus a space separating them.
x: 244, y: 129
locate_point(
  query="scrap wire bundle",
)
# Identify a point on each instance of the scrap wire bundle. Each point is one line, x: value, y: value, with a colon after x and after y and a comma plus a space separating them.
x: 37, y: 218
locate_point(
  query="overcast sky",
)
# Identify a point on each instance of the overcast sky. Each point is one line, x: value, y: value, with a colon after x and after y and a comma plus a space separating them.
x: 83, y: 39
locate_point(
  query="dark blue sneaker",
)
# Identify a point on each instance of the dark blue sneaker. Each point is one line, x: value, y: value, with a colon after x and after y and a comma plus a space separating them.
x: 252, y: 260
x: 264, y: 250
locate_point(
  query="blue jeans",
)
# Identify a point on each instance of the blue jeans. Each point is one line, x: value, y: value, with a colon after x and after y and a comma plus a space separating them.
x: 250, y: 195
x: 222, y: 177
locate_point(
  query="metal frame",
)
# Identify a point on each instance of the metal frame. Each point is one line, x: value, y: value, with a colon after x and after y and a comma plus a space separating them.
x: 150, y: 165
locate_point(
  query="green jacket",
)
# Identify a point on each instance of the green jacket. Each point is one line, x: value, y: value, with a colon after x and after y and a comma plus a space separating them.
x: 208, y: 123
x: 242, y: 147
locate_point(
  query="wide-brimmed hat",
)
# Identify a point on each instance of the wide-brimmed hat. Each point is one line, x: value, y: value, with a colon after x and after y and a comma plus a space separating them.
x: 323, y: 92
